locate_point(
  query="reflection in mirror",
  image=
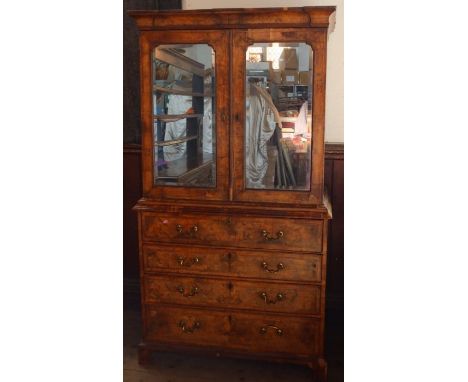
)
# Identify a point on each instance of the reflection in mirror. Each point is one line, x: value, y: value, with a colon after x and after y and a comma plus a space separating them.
x: 278, y: 123
x: 184, y: 131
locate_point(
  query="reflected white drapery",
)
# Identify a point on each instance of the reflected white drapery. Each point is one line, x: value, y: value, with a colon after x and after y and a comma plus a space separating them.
x: 260, y: 123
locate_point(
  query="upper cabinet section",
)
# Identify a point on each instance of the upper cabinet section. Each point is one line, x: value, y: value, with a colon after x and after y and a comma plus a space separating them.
x: 233, y: 104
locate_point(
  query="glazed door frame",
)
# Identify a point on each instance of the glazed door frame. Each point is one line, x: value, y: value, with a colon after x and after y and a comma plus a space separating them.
x: 219, y: 41
x: 317, y: 39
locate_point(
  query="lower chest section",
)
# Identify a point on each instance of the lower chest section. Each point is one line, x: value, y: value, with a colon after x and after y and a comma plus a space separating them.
x: 249, y: 284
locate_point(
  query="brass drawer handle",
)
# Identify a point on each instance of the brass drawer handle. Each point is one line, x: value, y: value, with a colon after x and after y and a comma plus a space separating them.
x: 267, y: 236
x: 192, y: 292
x: 264, y: 329
x: 187, y: 329
x: 192, y: 232
x: 183, y: 261
x: 279, y: 267
x: 279, y: 297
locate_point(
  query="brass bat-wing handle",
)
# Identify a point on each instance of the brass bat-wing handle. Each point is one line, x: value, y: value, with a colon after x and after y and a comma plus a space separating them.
x: 279, y: 297
x: 191, y: 232
x: 267, y: 236
x: 188, y: 262
x: 265, y: 266
x: 189, y: 329
x: 193, y: 291
x: 278, y: 330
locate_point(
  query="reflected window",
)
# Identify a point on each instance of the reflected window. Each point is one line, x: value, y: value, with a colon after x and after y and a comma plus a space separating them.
x: 184, y: 125
x: 278, y: 123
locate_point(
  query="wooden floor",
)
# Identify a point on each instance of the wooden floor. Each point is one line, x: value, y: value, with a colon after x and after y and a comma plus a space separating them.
x: 171, y: 367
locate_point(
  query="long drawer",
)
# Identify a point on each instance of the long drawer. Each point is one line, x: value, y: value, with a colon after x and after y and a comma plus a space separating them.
x: 240, y: 331
x: 262, y: 296
x: 233, y: 262
x: 233, y: 231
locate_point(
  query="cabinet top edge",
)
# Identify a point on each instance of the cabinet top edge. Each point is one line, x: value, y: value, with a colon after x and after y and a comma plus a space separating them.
x: 216, y: 18
x: 328, y: 9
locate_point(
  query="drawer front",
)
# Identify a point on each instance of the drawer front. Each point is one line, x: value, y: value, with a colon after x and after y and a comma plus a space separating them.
x: 233, y: 262
x: 276, y: 334
x: 235, y: 231
x: 262, y: 296
x: 238, y: 331
x: 186, y: 326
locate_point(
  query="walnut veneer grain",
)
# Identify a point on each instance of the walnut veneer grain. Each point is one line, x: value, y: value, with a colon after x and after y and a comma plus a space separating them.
x: 229, y: 270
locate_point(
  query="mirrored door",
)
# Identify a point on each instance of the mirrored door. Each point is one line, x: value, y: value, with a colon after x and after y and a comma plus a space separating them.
x: 278, y: 116
x: 278, y: 144
x: 183, y: 126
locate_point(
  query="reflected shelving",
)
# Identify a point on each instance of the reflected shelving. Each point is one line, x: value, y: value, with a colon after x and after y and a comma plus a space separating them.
x: 183, y: 99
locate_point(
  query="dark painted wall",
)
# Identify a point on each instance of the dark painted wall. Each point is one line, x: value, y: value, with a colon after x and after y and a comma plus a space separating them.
x: 131, y: 68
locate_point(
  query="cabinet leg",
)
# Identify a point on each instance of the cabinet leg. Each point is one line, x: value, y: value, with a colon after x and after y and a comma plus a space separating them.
x: 320, y: 370
x: 144, y: 355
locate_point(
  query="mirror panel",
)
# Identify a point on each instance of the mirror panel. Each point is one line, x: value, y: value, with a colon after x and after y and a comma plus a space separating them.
x: 183, y: 114
x: 278, y: 121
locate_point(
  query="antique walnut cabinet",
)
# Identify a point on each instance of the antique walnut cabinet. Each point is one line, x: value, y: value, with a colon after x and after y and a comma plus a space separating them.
x: 233, y: 219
